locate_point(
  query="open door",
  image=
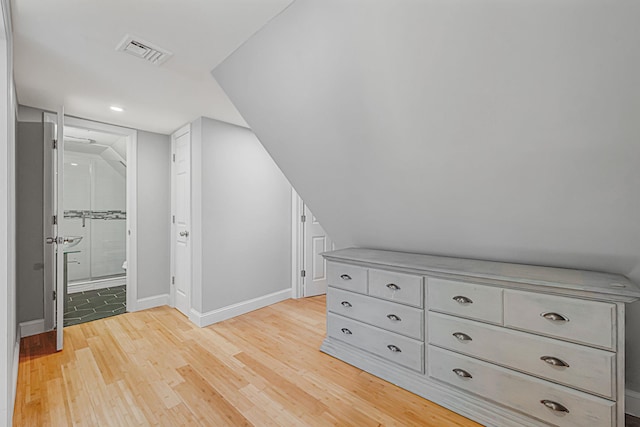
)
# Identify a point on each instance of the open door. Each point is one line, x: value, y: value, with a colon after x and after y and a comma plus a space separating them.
x: 54, y: 212
x: 60, y: 258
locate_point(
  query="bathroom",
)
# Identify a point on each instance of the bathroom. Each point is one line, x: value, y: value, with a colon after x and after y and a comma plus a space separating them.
x: 94, y: 201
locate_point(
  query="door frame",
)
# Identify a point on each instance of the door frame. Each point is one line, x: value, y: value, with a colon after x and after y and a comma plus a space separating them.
x: 297, y: 245
x: 132, y: 197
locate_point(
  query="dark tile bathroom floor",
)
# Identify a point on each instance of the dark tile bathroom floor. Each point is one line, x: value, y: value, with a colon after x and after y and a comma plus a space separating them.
x: 86, y: 306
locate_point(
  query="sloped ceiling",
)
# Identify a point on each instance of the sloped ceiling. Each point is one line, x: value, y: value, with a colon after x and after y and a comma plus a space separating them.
x: 490, y: 129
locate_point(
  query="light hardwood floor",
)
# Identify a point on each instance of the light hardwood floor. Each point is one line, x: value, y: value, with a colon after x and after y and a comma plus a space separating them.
x: 156, y: 368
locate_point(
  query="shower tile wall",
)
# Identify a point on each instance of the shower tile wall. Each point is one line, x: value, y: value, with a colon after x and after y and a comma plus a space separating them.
x: 92, y: 183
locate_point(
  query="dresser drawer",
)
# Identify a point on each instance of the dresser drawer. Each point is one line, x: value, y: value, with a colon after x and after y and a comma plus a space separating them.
x: 396, y: 348
x: 399, y: 287
x: 520, y: 391
x: 394, y: 317
x: 345, y: 276
x: 588, y: 369
x: 465, y: 299
x: 577, y: 320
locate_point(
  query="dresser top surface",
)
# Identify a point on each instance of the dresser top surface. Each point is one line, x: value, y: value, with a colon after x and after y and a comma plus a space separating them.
x: 561, y: 279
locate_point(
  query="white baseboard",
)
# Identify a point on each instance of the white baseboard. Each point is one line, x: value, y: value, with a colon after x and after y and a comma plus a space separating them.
x: 224, y: 313
x: 96, y: 284
x: 632, y: 403
x: 151, y: 302
x: 32, y: 327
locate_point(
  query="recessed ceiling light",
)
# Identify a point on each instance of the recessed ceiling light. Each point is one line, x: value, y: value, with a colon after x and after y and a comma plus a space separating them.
x: 74, y: 164
x: 118, y: 109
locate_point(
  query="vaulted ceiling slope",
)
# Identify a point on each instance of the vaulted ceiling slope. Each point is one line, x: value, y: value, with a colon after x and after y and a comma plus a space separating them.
x: 475, y: 128
x: 65, y: 53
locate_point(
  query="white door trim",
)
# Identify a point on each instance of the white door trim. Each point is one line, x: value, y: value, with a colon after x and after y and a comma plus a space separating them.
x: 132, y: 197
x: 58, y: 199
x: 48, y: 120
x: 297, y: 245
x: 194, y: 236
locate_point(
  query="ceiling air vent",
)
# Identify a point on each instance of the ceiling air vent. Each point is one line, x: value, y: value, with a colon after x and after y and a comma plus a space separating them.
x: 143, y: 49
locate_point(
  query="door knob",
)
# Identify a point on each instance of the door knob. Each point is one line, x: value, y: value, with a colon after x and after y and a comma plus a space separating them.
x: 52, y: 240
x: 184, y: 233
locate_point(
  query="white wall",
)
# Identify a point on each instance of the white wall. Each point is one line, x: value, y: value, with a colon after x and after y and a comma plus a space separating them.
x: 476, y: 128
x: 246, y: 219
x: 9, y: 345
x: 154, y: 214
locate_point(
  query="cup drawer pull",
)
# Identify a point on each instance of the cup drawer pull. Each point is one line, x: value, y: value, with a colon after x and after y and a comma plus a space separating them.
x: 393, y: 287
x: 554, y: 317
x: 554, y: 361
x: 345, y: 277
x: 346, y: 304
x: 462, y: 373
x: 393, y: 317
x: 462, y: 336
x: 394, y: 349
x: 462, y: 300
x: 346, y: 331
x: 554, y: 406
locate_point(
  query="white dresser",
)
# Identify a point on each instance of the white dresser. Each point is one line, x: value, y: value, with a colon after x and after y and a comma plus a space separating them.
x: 502, y: 344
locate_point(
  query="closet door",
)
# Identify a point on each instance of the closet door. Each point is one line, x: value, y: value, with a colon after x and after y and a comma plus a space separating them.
x: 181, y: 200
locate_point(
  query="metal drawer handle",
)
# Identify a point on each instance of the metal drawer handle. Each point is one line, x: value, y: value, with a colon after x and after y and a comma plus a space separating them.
x: 393, y: 317
x: 461, y: 336
x: 394, y: 349
x: 554, y: 317
x: 554, y: 361
x: 346, y: 304
x: 462, y: 373
x: 554, y: 406
x: 393, y: 287
x: 345, y: 277
x: 346, y: 331
x: 462, y: 300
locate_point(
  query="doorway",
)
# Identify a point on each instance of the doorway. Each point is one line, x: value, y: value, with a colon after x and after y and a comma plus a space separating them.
x: 94, y: 220
x: 309, y: 241
x: 94, y: 202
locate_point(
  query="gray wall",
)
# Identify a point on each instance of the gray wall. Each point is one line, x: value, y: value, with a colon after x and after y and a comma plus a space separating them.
x: 29, y: 226
x: 246, y: 217
x: 154, y: 213
x: 486, y: 129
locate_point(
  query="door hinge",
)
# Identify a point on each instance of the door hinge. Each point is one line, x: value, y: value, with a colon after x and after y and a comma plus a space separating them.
x: 303, y: 218
x: 174, y: 157
x: 54, y: 295
x: 303, y: 273
x: 173, y: 280
x: 55, y: 143
x: 55, y: 220
x: 173, y: 219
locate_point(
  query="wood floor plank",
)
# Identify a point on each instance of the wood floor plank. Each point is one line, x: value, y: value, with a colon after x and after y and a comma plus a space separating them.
x: 155, y: 368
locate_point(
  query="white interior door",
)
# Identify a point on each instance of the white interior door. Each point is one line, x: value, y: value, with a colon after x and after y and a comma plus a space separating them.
x: 315, y: 241
x: 182, y: 219
x: 60, y: 267
x: 54, y: 240
x: 48, y: 222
